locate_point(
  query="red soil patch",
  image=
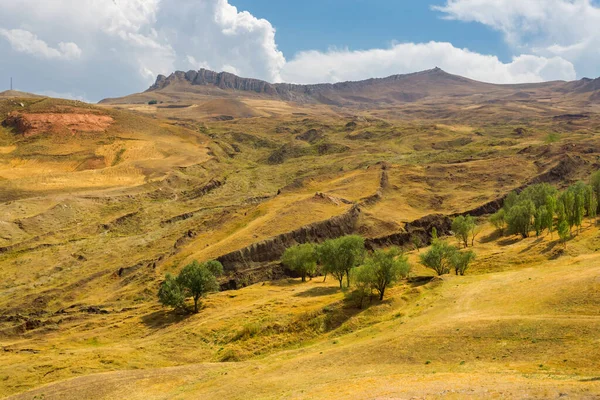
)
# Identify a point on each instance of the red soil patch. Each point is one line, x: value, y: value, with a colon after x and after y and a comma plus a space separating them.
x: 35, y: 124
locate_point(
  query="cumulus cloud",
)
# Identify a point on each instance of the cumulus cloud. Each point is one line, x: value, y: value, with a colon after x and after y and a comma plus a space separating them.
x: 26, y: 42
x: 564, y: 28
x: 342, y: 65
x: 121, y: 45
x: 105, y: 48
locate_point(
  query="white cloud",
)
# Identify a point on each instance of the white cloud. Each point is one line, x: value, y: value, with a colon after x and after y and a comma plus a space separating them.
x: 124, y: 44
x: 26, y: 42
x: 107, y: 48
x: 342, y: 65
x: 565, y: 28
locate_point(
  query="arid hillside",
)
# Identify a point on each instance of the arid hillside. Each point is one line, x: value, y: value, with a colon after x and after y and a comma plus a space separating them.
x: 98, y: 202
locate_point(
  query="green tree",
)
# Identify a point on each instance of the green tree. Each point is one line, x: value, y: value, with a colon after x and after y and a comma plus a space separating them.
x: 340, y: 255
x: 463, y: 226
x: 541, y: 220
x: 510, y: 201
x: 197, y: 280
x: 434, y: 233
x: 519, y: 218
x: 568, y: 201
x: 417, y: 242
x: 438, y: 257
x: 363, y: 283
x: 579, y: 210
x: 461, y: 260
x: 563, y: 231
x: 595, y: 183
x: 301, y: 259
x: 592, y: 210
x: 170, y: 293
x: 384, y: 268
x: 551, y: 208
x: 499, y: 220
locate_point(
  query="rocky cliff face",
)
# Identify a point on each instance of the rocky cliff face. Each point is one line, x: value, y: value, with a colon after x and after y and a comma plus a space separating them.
x: 271, y: 250
x: 321, y: 93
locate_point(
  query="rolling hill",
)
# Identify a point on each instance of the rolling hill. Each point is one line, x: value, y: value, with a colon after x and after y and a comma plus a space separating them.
x: 99, y: 202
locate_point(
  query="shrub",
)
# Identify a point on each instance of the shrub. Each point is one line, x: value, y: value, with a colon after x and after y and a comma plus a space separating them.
x: 152, y: 102
x: 438, y: 257
x: 460, y: 261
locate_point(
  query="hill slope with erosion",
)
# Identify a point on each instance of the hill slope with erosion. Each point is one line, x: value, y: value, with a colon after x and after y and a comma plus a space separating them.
x: 97, y: 203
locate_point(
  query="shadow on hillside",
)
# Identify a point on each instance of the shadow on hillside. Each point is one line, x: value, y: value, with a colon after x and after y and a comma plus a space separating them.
x: 550, y: 246
x: 317, y: 291
x: 491, y: 237
x: 338, y: 313
x: 417, y: 281
x: 509, y: 240
x: 286, y: 282
x: 162, y: 319
x: 532, y: 245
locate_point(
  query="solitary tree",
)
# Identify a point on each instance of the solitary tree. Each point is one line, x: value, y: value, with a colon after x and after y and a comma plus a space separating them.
x: 462, y: 227
x: 461, y: 260
x: 301, y: 259
x: 197, y: 280
x: 170, y: 293
x: 384, y: 268
x: 340, y: 255
x: 438, y: 257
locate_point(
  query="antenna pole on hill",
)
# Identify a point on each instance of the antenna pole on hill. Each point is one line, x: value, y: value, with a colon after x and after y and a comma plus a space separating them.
x: 11, y: 83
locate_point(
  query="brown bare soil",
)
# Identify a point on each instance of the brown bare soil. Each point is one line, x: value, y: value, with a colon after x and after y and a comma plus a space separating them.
x: 35, y: 124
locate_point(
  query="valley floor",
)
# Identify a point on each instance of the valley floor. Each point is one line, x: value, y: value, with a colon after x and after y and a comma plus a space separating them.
x: 524, y: 323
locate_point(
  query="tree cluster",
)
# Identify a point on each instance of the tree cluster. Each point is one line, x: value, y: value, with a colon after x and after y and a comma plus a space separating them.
x: 195, y: 280
x: 443, y: 258
x: 542, y: 207
x: 345, y: 258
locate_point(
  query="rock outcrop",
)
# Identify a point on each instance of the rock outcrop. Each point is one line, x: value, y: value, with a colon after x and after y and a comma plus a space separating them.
x: 271, y: 250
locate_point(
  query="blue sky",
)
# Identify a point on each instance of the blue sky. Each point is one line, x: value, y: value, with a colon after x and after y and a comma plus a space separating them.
x: 92, y: 49
x: 366, y: 24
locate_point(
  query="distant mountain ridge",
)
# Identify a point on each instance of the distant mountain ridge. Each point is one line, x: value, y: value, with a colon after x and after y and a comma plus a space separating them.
x: 434, y: 84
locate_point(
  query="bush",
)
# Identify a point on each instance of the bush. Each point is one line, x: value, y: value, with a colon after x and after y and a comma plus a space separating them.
x: 460, y: 261
x: 152, y: 102
x: 438, y: 257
